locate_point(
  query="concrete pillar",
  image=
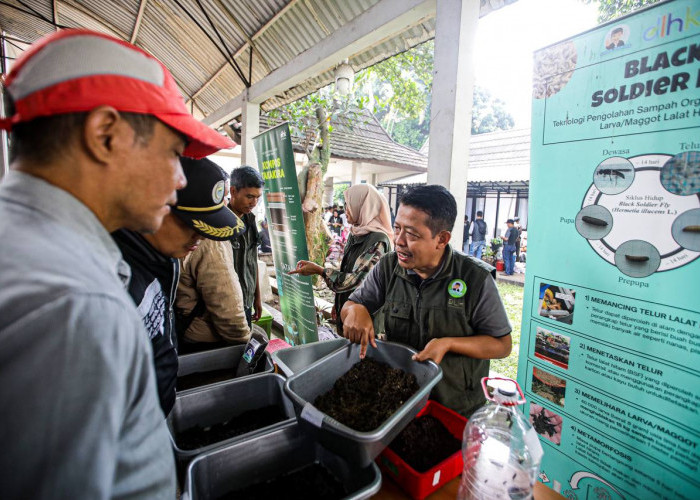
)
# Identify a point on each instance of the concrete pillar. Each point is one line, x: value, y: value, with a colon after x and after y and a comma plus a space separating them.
x: 373, y: 180
x: 451, y: 112
x: 250, y: 117
x: 355, y: 179
x: 328, y: 192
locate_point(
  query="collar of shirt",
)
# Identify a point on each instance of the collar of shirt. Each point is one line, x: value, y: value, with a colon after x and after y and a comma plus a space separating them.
x: 62, y: 207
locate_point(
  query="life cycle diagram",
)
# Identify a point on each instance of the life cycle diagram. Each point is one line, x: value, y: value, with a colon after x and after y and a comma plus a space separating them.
x: 642, y: 213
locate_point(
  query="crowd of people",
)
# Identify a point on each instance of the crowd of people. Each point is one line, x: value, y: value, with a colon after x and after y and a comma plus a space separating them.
x: 337, y: 222
x: 475, y: 234
x: 124, y: 246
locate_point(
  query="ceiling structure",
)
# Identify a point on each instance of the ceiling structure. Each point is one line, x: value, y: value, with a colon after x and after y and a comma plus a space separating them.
x: 216, y: 49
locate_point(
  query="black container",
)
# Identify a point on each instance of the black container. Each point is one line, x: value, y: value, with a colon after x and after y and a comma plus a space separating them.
x: 217, y: 403
x: 225, y: 358
x: 358, y: 447
x: 268, y: 456
x: 295, y: 359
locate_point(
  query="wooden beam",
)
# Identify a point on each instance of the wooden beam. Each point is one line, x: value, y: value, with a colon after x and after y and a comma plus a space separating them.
x: 87, y: 12
x: 54, y: 7
x: 137, y: 22
x: 249, y: 39
x: 375, y: 24
x: 267, y: 25
x: 247, y: 44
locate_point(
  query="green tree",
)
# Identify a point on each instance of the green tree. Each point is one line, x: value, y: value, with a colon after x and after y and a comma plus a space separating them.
x: 488, y: 113
x: 411, y: 132
x: 397, y: 90
x: 339, y: 193
x: 611, y: 9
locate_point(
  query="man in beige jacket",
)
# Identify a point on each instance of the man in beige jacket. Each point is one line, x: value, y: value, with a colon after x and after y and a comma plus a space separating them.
x: 209, y: 290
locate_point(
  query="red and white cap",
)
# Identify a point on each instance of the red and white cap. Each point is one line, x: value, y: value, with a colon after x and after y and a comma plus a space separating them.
x: 73, y: 71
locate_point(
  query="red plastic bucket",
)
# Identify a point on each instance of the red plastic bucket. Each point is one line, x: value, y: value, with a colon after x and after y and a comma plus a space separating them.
x: 500, y: 265
x: 420, y: 485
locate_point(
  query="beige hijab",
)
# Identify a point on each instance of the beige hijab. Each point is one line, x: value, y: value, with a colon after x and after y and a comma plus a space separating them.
x: 369, y: 211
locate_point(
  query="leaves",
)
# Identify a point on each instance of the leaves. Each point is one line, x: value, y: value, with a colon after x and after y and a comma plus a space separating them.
x: 488, y: 113
x: 398, y: 92
x: 309, y: 121
x: 339, y: 193
x: 611, y: 9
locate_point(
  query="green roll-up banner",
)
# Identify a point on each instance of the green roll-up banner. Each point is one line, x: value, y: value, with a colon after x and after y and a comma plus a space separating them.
x: 286, y: 224
x: 610, y: 347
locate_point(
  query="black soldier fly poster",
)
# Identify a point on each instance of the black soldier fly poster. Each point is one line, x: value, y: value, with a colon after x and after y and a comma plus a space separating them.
x: 610, y: 347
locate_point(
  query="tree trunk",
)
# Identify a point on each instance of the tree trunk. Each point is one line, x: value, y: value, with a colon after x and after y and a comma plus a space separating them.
x: 317, y: 234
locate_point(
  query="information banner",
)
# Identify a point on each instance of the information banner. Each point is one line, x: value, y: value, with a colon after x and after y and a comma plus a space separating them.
x: 610, y: 347
x: 286, y: 224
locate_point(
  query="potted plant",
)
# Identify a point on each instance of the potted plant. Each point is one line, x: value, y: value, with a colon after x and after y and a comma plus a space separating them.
x: 488, y: 256
x: 496, y: 244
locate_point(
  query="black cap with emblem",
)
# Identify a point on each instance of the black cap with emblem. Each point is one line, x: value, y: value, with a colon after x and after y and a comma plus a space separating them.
x: 201, y: 203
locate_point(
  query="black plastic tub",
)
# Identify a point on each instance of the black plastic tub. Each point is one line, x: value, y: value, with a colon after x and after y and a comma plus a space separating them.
x: 358, y: 447
x: 268, y: 456
x: 225, y: 358
x: 295, y: 359
x: 218, y: 403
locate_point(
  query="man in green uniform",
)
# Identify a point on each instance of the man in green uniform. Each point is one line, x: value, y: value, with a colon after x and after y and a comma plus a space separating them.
x: 246, y: 190
x: 442, y: 303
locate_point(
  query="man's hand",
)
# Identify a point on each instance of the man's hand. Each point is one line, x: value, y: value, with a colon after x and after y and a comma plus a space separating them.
x: 257, y: 309
x: 307, y: 268
x: 435, y: 350
x: 357, y: 326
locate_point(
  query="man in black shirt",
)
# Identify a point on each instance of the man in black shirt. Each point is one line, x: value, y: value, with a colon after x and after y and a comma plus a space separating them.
x: 478, y: 234
x: 246, y: 190
x: 265, y: 246
x: 200, y: 213
x: 509, y: 247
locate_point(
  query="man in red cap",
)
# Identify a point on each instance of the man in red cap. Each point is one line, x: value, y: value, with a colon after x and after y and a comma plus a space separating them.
x: 97, y: 129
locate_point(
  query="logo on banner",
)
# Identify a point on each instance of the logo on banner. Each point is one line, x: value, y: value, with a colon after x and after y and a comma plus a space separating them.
x: 668, y: 24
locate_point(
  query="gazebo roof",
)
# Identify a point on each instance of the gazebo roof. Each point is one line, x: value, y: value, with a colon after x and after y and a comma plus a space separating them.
x: 499, y: 158
x: 364, y: 140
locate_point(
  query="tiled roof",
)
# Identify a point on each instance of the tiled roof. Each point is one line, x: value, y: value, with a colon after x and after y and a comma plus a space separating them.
x: 363, y: 140
x: 502, y: 156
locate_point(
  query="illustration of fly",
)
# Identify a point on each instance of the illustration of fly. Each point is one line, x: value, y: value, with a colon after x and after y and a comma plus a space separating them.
x: 613, y: 173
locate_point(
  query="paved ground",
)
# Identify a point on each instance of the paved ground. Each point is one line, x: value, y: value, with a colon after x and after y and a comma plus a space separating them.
x: 515, y: 279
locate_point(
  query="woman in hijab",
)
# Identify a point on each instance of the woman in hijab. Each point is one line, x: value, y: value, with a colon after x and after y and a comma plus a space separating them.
x: 370, y: 238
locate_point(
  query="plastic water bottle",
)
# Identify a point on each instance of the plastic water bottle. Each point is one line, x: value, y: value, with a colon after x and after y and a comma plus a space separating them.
x: 501, y: 451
